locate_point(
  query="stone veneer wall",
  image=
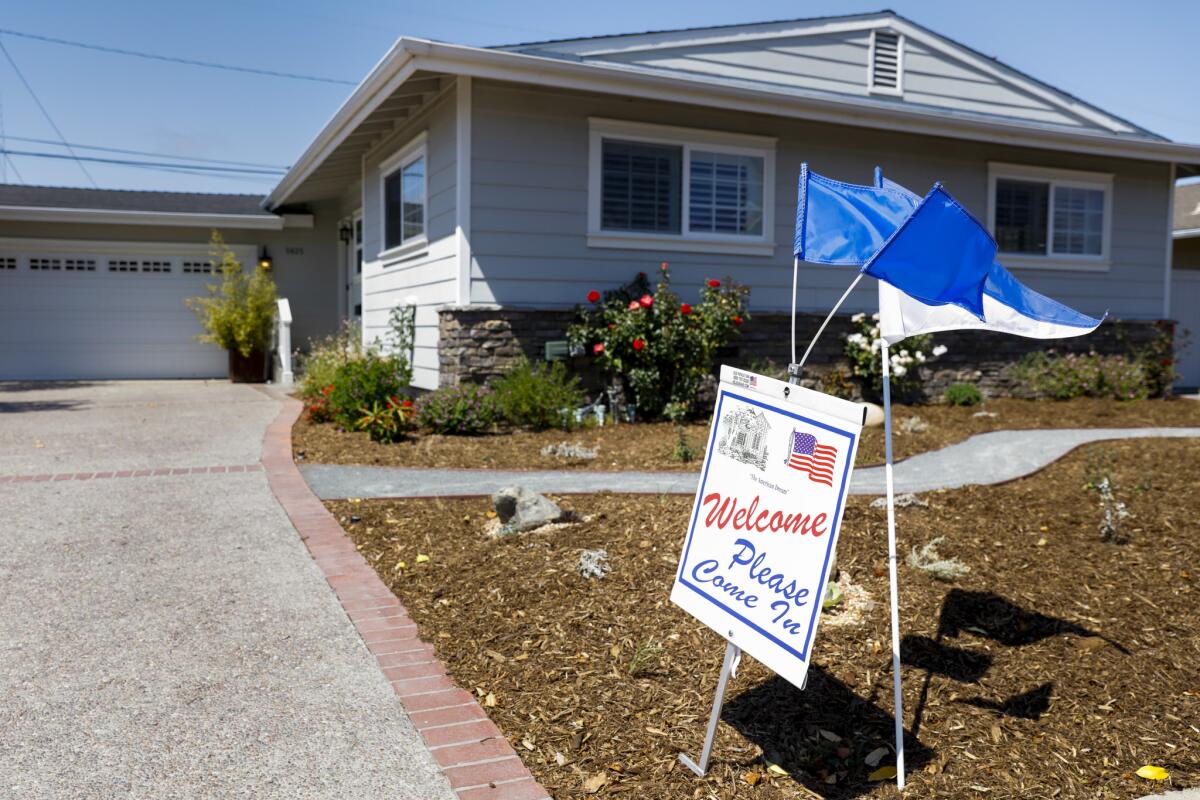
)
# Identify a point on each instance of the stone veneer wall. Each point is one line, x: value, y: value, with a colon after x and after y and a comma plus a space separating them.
x: 478, y: 344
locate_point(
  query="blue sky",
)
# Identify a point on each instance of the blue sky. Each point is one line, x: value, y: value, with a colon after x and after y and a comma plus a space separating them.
x: 1133, y: 59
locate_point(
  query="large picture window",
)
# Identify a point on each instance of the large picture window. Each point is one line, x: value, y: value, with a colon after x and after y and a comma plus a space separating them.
x: 659, y: 187
x: 404, y: 196
x: 1050, y: 217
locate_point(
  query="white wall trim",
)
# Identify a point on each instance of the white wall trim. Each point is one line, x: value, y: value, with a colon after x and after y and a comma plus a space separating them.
x: 1055, y: 177
x: 167, y: 218
x: 688, y: 139
x: 1169, y: 264
x: 462, y: 189
x: 1185, y: 233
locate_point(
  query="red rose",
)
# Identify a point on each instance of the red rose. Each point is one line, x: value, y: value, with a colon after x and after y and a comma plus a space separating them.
x: 314, y: 408
x: 407, y: 403
x: 633, y: 305
x: 713, y: 283
x: 646, y: 301
x: 327, y: 390
x: 1166, y: 362
x: 737, y: 320
x: 663, y: 266
x: 641, y: 275
x: 611, y: 326
x: 685, y: 309
x: 638, y: 344
x: 598, y: 348
x: 593, y: 296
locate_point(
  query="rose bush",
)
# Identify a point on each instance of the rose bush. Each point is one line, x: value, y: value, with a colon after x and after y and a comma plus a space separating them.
x: 657, y: 347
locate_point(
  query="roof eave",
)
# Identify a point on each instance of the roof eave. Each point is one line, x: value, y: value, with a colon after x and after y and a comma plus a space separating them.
x: 179, y: 219
x: 409, y: 55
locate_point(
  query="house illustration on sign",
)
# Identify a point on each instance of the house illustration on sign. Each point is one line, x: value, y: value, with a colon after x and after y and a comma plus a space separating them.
x: 744, y: 436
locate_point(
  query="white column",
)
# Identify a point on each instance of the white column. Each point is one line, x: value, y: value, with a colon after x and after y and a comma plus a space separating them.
x: 462, y: 187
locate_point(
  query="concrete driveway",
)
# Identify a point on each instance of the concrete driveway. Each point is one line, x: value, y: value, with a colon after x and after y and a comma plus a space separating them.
x: 163, y: 631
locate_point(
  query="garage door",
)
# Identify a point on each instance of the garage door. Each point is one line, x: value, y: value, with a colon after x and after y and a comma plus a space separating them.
x: 92, y: 310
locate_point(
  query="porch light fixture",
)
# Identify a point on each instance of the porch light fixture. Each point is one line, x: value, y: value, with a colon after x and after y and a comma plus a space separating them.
x: 264, y: 260
x: 344, y: 231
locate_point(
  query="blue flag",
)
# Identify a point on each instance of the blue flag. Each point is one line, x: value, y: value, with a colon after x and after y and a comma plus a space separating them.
x: 844, y: 223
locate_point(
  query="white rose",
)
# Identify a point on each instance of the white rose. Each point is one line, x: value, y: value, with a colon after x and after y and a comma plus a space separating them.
x: 875, y: 316
x: 859, y: 317
x: 939, y: 350
x: 900, y: 371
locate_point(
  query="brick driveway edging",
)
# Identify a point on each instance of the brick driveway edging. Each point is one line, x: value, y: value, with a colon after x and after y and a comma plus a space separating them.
x: 474, y: 755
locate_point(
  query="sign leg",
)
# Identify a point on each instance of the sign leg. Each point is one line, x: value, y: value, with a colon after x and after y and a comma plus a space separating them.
x: 732, y: 651
x: 898, y: 701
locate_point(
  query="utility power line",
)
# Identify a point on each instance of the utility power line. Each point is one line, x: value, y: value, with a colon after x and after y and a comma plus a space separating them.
x: 176, y: 60
x: 17, y: 172
x: 124, y: 162
x: 46, y: 114
x: 123, y: 151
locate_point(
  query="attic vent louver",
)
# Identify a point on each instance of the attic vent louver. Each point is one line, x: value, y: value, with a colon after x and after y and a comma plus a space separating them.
x: 886, y: 54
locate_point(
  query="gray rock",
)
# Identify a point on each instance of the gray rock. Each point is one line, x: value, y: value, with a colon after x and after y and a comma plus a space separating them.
x: 914, y: 425
x: 593, y: 563
x: 874, y: 415
x: 521, y: 509
x: 901, y: 500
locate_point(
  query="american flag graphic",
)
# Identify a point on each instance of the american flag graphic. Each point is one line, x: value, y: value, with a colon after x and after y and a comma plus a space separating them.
x: 809, y: 455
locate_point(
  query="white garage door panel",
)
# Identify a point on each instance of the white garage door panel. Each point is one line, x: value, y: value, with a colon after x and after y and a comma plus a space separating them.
x: 60, y: 324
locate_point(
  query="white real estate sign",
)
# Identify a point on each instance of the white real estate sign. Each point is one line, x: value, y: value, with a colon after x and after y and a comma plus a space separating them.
x: 765, y: 522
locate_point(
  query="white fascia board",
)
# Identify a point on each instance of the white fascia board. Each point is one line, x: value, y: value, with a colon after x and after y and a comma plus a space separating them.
x: 620, y: 79
x: 1185, y: 233
x: 392, y: 70
x: 410, y: 55
x: 166, y: 218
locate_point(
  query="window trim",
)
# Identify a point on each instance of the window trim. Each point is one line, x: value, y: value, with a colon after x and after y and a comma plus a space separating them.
x: 898, y: 90
x: 1054, y: 177
x: 414, y: 149
x: 688, y: 139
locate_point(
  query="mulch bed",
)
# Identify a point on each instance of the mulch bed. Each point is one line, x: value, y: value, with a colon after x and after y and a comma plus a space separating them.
x: 1055, y: 668
x: 649, y: 446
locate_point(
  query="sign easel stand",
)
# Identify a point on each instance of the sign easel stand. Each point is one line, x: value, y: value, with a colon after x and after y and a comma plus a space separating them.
x: 732, y: 654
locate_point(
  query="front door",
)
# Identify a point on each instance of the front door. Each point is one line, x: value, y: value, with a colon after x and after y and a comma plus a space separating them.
x: 354, y: 265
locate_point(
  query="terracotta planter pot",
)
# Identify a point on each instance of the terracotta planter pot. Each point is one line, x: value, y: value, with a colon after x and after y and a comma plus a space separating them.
x: 247, y: 369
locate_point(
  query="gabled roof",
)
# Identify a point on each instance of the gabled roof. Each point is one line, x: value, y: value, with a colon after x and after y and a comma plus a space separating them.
x: 1187, y: 211
x: 595, y: 49
x: 592, y: 65
x: 186, y: 209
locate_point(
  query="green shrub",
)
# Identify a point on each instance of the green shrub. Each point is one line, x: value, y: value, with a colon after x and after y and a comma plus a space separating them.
x: 464, y: 410
x: 325, y: 356
x: 387, y: 422
x: 660, y: 348
x: 533, y: 395
x: 963, y: 394
x: 365, y: 382
x: 1063, y: 377
x: 238, y: 313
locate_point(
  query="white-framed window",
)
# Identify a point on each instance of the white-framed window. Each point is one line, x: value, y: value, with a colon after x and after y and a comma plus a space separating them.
x: 1059, y: 219
x: 668, y: 188
x: 885, y: 70
x: 403, y: 197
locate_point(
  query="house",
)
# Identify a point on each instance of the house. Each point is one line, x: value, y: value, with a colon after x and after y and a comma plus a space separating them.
x: 1185, y: 286
x: 493, y: 187
x: 743, y: 436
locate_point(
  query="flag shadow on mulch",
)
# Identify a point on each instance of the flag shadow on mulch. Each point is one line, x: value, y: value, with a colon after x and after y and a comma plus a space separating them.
x: 824, y: 731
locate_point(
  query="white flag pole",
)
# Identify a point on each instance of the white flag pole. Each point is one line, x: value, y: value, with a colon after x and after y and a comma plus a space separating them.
x: 897, y: 700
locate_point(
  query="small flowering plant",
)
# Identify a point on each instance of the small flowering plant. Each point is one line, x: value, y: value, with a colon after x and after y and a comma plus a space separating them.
x: 863, y: 350
x: 658, y: 346
x: 387, y: 422
x: 318, y: 406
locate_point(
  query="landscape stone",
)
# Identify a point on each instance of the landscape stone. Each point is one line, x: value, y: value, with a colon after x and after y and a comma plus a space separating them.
x: 521, y: 509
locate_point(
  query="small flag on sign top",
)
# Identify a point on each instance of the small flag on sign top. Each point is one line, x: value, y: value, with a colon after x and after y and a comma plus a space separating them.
x: 809, y: 455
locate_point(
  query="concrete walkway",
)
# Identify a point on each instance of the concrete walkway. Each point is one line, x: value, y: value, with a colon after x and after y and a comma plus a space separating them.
x: 163, y: 630
x: 985, y: 458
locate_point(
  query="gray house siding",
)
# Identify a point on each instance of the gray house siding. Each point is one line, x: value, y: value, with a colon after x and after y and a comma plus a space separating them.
x: 529, y: 217
x: 838, y: 63
x: 429, y: 274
